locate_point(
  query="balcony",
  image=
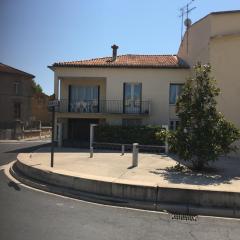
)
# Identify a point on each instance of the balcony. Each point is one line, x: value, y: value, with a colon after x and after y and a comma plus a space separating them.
x: 105, y: 107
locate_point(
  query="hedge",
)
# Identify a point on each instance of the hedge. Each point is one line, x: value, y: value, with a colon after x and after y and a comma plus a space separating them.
x: 147, y: 135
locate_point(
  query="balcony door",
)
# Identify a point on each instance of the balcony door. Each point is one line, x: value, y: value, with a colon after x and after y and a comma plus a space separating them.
x: 83, y: 98
x: 132, y: 95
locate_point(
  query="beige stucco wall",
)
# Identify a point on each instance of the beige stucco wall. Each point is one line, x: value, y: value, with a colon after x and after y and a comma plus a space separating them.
x: 224, y: 57
x: 155, y: 87
x: 224, y: 54
x: 222, y: 24
x: 198, y: 42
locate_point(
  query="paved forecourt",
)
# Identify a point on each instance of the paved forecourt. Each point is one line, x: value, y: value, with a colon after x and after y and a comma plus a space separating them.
x: 154, y: 181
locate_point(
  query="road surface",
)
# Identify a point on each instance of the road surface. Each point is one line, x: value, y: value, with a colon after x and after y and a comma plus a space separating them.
x: 27, y: 214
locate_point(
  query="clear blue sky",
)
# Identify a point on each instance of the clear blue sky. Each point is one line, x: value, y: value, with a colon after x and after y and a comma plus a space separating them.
x: 37, y: 33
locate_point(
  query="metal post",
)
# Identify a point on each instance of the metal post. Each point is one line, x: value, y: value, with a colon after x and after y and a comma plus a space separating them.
x: 92, y: 138
x: 123, y: 149
x: 135, y: 155
x: 40, y: 128
x: 92, y: 134
x: 53, y: 127
x: 91, y: 152
x: 60, y: 135
x: 166, y: 139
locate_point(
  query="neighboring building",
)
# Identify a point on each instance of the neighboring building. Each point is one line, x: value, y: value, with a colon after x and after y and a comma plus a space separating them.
x: 142, y: 89
x: 40, y: 110
x: 15, y: 96
x: 215, y: 39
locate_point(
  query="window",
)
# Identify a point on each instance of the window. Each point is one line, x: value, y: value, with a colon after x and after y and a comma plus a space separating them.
x: 132, y: 97
x: 174, y: 93
x: 173, y: 125
x: 84, y: 98
x: 17, y: 110
x: 131, y: 122
x: 17, y: 87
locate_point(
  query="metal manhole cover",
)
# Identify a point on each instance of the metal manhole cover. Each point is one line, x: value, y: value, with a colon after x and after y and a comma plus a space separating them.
x: 184, y: 217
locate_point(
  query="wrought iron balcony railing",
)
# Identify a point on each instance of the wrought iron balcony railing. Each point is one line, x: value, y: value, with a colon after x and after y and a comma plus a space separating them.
x: 105, y: 106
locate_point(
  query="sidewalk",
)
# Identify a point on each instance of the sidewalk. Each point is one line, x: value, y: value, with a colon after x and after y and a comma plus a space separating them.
x: 153, y: 169
x: 154, y: 183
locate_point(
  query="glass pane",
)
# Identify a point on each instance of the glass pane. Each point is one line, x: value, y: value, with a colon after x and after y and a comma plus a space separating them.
x: 127, y: 94
x: 88, y: 94
x: 137, y: 91
x: 79, y: 93
x: 95, y: 93
x: 84, y: 99
x: 179, y: 89
x: 127, y: 90
x: 137, y: 94
x: 173, y: 93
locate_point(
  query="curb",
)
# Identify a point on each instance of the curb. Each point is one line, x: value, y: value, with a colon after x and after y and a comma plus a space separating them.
x: 107, y: 191
x: 85, y: 196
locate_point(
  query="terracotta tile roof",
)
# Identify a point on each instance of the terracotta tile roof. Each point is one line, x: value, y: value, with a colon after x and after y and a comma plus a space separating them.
x: 129, y: 61
x: 7, y: 69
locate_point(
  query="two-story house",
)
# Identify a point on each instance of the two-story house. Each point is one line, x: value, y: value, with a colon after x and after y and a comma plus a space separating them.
x: 142, y: 89
x: 125, y: 89
x: 15, y: 95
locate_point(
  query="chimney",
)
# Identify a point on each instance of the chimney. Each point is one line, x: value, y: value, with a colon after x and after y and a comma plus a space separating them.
x: 114, y: 52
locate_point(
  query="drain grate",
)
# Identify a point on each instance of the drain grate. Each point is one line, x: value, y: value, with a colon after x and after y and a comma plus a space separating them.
x: 184, y: 217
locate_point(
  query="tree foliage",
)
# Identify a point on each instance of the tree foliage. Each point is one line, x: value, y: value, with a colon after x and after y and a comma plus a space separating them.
x: 36, y: 87
x: 203, y: 133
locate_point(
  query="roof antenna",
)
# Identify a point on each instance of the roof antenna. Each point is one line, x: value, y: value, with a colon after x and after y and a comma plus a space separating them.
x: 185, y: 10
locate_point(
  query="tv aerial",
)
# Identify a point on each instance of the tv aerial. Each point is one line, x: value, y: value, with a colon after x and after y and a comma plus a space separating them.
x: 185, y: 10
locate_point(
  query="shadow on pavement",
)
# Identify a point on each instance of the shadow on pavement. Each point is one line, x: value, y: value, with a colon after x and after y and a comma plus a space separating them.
x: 193, y: 178
x: 222, y: 171
x: 29, y: 149
x: 14, y: 185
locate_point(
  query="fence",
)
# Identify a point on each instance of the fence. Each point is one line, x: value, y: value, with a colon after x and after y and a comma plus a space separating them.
x: 105, y: 106
x: 20, y: 130
x: 128, y: 147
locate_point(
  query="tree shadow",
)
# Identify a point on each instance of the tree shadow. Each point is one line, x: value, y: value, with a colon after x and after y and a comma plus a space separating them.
x: 217, y: 173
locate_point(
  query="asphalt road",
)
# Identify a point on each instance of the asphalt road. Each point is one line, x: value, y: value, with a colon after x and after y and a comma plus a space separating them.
x: 29, y: 214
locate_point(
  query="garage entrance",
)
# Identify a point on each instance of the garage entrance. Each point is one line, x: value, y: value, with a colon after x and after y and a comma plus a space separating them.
x: 79, y: 129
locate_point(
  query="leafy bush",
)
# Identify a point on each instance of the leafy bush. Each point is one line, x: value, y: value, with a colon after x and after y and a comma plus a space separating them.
x: 147, y: 135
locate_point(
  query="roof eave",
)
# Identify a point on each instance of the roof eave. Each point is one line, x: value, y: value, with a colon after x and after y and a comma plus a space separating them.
x: 125, y: 66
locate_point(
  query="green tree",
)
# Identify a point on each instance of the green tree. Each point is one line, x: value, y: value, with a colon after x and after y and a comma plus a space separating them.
x: 203, y: 134
x: 36, y: 87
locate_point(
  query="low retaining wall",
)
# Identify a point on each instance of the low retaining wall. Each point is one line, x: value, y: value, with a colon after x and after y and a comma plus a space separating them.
x: 44, y: 132
x: 6, y: 134
x: 156, y: 196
